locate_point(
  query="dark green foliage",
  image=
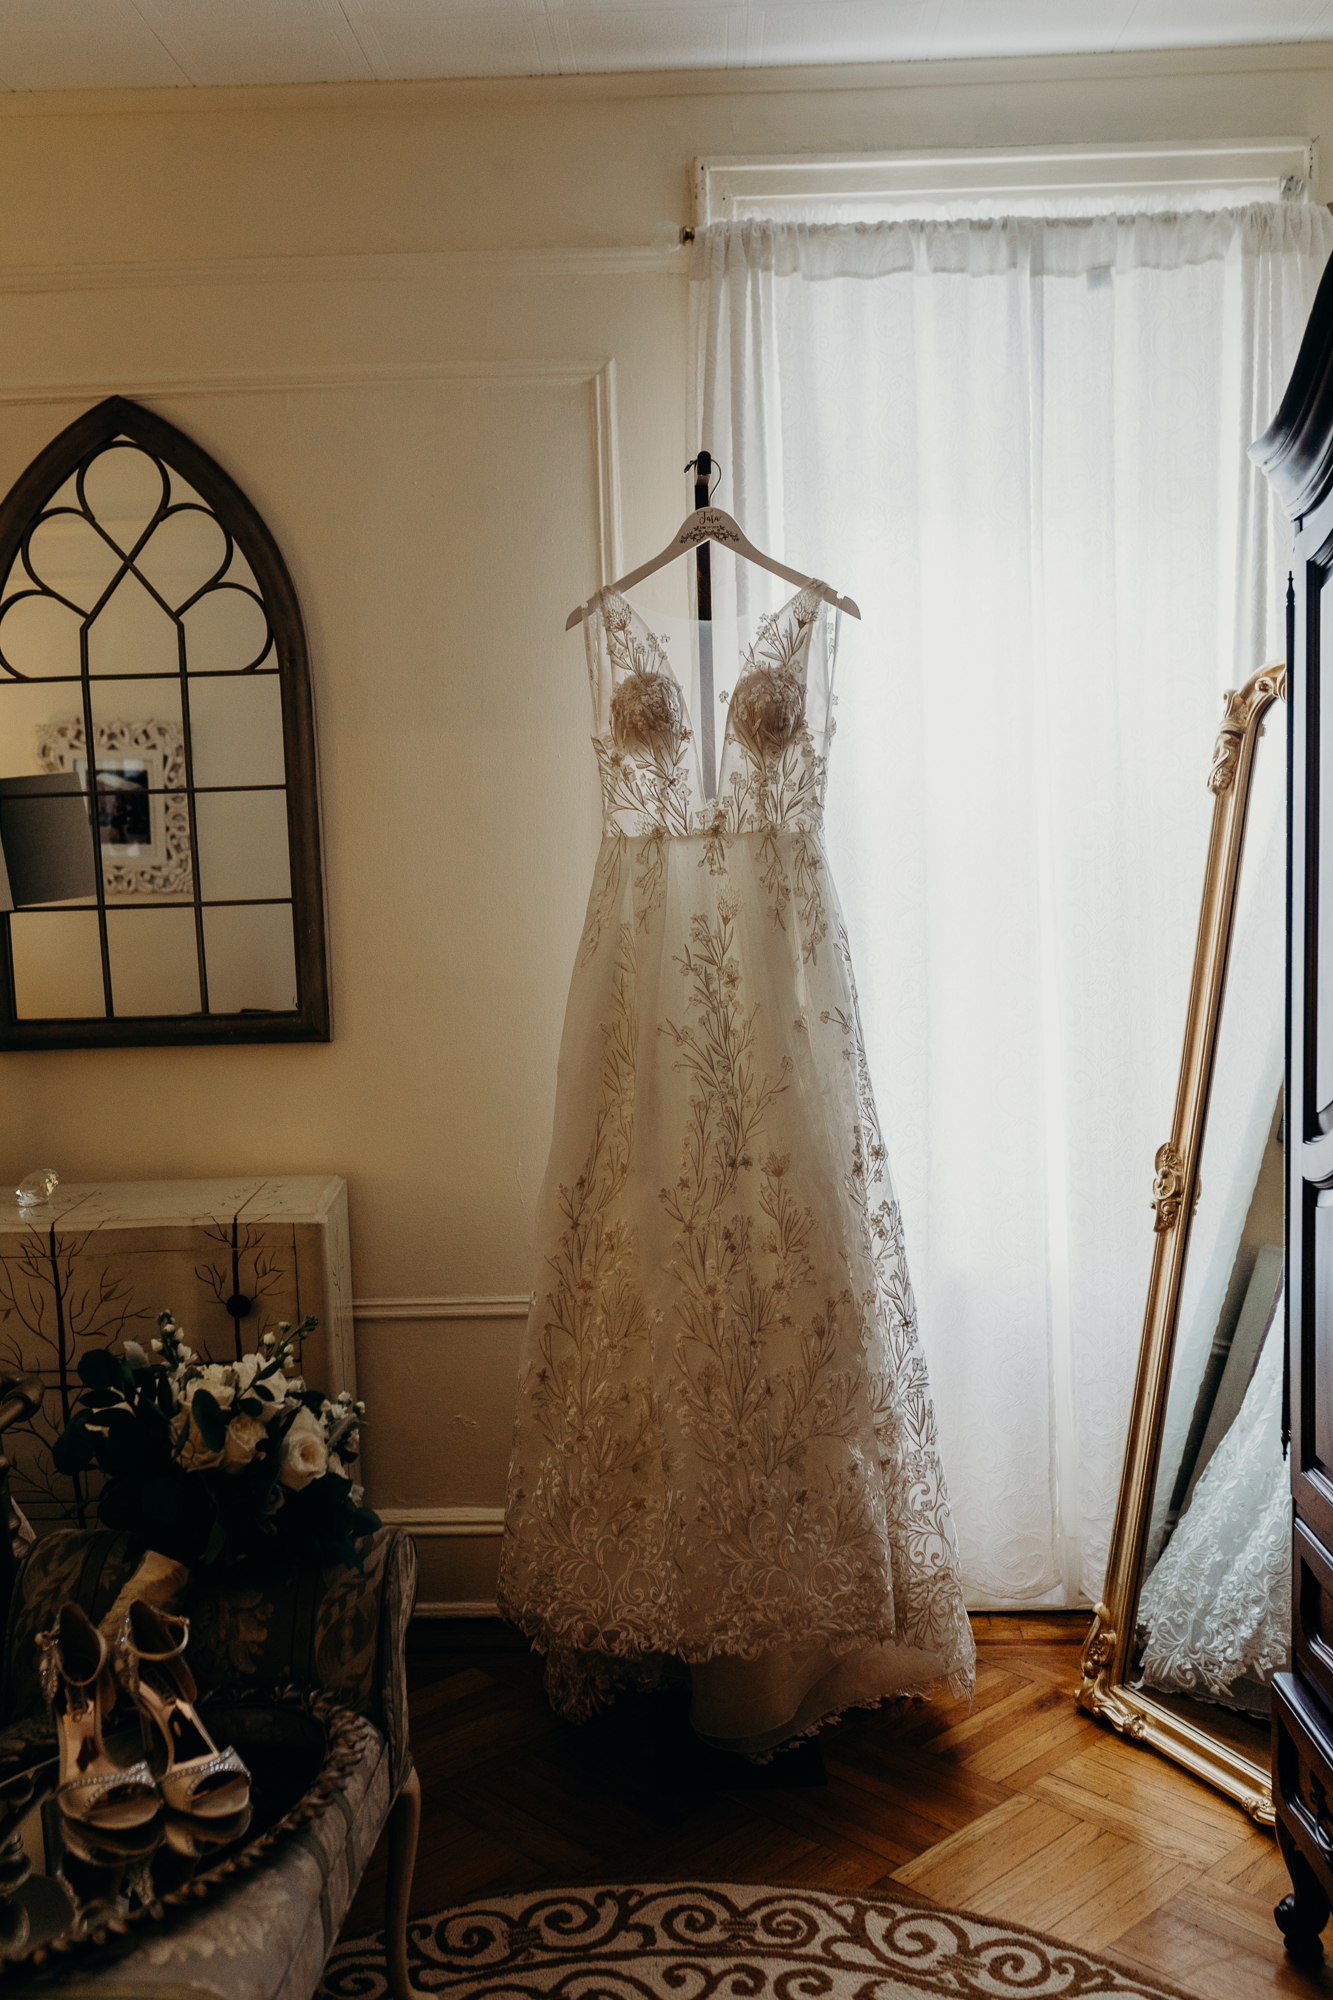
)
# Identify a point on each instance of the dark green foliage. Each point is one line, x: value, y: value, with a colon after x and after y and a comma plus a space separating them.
x: 164, y: 1480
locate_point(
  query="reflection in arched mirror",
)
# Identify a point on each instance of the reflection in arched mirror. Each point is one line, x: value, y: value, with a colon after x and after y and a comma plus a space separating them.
x: 165, y: 887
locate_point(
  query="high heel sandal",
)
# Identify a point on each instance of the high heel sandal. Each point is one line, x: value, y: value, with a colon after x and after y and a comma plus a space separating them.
x: 80, y: 1689
x: 199, y: 1779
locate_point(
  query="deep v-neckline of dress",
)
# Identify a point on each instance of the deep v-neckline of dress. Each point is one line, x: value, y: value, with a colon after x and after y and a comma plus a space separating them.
x: 743, y: 653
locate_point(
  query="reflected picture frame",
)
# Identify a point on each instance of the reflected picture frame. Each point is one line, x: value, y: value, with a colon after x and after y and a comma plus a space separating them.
x: 1108, y: 1653
x: 161, y: 865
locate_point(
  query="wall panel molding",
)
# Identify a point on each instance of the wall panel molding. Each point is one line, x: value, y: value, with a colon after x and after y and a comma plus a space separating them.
x: 382, y: 267
x: 354, y: 375
x: 462, y: 1306
x: 598, y: 374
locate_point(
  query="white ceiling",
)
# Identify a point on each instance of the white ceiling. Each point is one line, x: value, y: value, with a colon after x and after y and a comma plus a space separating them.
x: 81, y: 44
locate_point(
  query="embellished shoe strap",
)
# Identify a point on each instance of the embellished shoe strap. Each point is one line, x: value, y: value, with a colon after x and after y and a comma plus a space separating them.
x: 137, y: 1775
x: 50, y: 1645
x: 172, y: 1652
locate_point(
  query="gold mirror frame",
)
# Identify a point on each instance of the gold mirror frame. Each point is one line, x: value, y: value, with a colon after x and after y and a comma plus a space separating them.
x: 1103, y: 1690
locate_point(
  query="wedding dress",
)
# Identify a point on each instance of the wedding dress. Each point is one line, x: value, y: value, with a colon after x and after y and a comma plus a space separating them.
x: 725, y: 1452
x: 1217, y: 1606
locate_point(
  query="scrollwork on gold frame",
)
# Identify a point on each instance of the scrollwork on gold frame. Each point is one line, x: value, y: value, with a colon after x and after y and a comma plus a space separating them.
x: 1242, y: 705
x: 1104, y: 1689
x: 1098, y: 1653
x: 1168, y: 1186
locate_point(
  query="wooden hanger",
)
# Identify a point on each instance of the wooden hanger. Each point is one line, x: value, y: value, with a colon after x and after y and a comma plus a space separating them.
x: 711, y: 524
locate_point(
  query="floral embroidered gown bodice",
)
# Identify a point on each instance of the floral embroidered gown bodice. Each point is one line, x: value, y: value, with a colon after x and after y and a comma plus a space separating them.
x: 725, y: 1451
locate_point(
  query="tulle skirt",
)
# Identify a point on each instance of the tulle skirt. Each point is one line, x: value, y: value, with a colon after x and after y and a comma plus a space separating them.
x: 725, y: 1452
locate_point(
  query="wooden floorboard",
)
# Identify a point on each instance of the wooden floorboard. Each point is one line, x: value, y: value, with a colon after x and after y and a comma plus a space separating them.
x: 1023, y: 1809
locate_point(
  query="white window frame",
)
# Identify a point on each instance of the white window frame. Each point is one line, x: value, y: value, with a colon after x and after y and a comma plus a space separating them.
x: 888, y: 184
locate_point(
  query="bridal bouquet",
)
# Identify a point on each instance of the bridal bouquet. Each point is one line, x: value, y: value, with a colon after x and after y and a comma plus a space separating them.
x: 217, y: 1463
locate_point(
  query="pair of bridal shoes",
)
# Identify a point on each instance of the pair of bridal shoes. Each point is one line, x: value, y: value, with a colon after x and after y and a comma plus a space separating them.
x: 199, y: 1780
x: 80, y: 1690
x: 192, y: 1776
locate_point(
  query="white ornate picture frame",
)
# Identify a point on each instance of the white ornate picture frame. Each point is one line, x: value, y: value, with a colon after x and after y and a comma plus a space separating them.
x: 149, y: 757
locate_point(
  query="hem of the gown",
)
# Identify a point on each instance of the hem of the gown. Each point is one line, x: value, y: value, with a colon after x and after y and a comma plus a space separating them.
x: 630, y: 1650
x: 960, y: 1686
x: 1241, y: 1695
x: 602, y: 1671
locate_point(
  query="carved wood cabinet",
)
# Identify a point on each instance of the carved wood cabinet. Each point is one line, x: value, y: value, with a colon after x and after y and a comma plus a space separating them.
x: 1296, y: 455
x: 96, y: 1264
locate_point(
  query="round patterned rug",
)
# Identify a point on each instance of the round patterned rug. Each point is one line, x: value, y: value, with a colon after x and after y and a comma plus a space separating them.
x: 692, y: 1941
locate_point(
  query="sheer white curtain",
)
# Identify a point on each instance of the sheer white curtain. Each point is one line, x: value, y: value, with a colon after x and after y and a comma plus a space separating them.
x: 1020, y: 444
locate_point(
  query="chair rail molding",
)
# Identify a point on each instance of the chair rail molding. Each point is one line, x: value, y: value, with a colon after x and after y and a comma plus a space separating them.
x: 444, y: 1523
x: 485, y: 1305
x: 463, y: 1607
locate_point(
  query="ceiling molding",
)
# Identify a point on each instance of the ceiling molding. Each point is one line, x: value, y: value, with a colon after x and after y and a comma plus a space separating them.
x: 406, y: 267
x: 927, y: 74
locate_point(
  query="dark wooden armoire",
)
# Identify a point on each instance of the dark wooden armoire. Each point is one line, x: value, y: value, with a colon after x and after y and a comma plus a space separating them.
x: 1296, y: 455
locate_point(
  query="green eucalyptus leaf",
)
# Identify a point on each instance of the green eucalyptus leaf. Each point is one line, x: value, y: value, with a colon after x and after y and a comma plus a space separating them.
x: 208, y: 1419
x: 161, y: 1499
x: 124, y: 1448
x: 73, y: 1449
x: 100, y: 1369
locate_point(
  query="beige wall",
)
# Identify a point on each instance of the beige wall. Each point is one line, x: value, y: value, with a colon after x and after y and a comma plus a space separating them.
x: 421, y: 386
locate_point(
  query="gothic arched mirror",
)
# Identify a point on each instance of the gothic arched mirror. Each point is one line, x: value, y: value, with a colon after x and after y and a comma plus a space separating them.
x: 176, y: 894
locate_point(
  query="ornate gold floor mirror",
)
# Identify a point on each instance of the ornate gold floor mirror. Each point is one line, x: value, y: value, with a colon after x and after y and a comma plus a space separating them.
x: 1180, y: 1651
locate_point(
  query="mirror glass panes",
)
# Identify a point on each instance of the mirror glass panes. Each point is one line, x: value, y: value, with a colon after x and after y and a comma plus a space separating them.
x: 1214, y: 1609
x: 154, y: 880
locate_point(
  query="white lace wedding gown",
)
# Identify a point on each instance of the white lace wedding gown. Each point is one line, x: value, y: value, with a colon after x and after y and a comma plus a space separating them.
x: 1217, y: 1606
x: 725, y: 1451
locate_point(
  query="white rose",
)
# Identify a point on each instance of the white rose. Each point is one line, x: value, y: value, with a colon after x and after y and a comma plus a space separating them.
x: 212, y: 1378
x: 306, y: 1456
x: 247, y: 1368
x: 243, y: 1435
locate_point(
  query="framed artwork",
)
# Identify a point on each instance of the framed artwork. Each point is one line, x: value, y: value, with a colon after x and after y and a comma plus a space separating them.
x: 142, y: 804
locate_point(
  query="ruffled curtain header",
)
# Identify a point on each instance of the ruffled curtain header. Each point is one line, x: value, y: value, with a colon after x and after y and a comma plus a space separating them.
x: 1058, y: 245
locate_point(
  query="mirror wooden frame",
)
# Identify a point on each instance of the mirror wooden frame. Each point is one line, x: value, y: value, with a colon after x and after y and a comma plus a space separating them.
x: 309, y: 1020
x: 1104, y: 1689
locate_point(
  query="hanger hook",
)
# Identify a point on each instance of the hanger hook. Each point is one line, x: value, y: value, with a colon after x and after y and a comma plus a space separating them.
x: 691, y: 465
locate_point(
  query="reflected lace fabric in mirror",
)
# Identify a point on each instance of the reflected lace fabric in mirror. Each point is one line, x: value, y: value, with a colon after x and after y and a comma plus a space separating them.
x: 1217, y: 1608
x: 725, y: 1449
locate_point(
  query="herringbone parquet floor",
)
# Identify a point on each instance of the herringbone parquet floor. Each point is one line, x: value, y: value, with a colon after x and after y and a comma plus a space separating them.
x: 1025, y: 1809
